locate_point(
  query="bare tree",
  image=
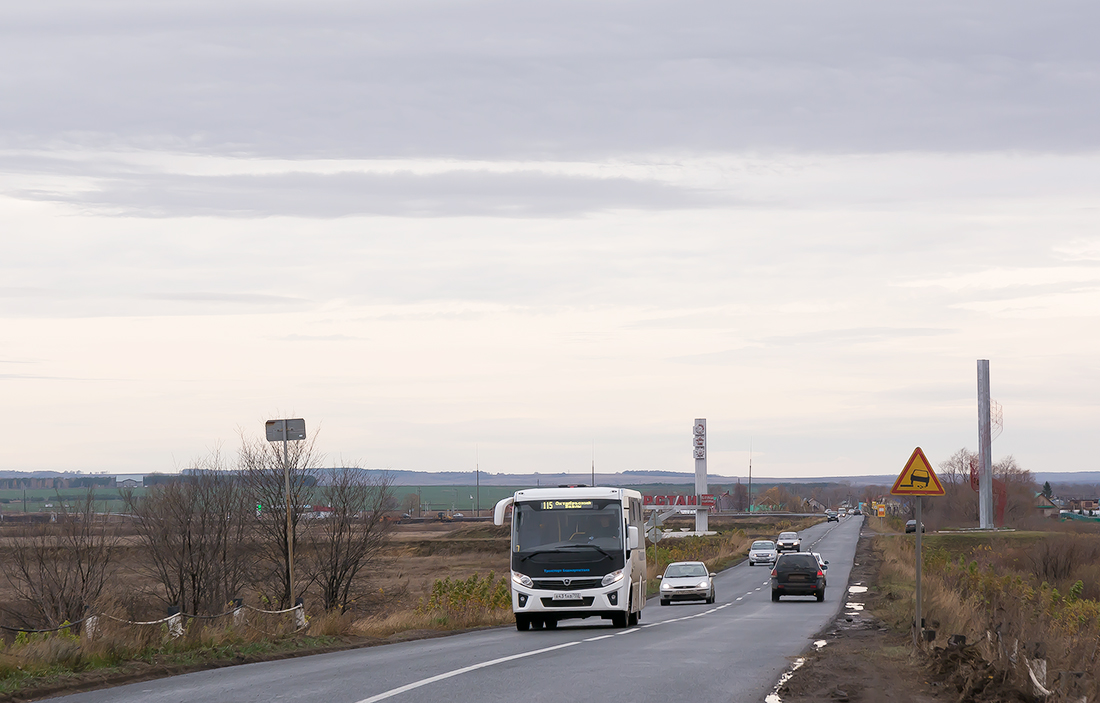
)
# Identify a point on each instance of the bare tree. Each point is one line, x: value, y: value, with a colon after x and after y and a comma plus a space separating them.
x: 956, y: 469
x: 351, y: 536
x: 261, y: 467
x: 60, y: 569
x: 196, y: 533
x: 1020, y: 489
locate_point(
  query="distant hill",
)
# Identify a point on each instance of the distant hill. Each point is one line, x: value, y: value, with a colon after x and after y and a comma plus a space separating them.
x: 403, y: 477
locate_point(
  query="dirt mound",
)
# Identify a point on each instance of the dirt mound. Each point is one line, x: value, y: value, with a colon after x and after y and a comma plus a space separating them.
x: 962, y: 669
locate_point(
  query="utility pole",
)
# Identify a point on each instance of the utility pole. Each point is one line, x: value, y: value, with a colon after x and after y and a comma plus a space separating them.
x: 593, y: 463
x: 750, y: 474
x: 477, y: 477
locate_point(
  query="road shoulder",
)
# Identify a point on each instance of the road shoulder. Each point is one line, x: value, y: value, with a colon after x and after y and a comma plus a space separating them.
x: 856, y: 657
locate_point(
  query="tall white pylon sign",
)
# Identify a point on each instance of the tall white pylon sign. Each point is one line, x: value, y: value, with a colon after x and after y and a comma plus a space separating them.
x: 985, y: 453
x: 699, y: 451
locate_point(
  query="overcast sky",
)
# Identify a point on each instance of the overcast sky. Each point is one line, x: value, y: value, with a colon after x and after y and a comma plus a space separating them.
x: 530, y: 232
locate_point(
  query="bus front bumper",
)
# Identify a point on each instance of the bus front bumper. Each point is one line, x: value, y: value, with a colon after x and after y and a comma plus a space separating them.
x: 589, y: 601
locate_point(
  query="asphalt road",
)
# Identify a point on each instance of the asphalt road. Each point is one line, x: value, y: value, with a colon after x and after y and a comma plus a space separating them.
x: 734, y: 650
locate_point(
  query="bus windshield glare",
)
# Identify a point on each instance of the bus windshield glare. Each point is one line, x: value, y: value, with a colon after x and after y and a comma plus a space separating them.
x: 566, y: 524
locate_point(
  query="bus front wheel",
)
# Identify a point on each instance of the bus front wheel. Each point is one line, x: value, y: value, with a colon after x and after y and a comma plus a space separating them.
x: 523, y: 623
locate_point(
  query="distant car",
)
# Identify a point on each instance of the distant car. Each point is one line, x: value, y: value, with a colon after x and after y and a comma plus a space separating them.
x: 824, y: 564
x: 857, y: 511
x: 762, y: 551
x: 911, y: 526
x: 798, y: 575
x: 831, y: 516
x: 459, y: 515
x: 788, y: 541
x: 687, y: 580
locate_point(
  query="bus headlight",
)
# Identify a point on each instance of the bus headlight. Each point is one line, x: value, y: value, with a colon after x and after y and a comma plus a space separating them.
x: 523, y: 579
x: 612, y: 577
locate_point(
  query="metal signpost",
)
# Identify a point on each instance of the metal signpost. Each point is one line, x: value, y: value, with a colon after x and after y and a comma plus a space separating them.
x: 286, y: 430
x: 918, y: 479
x: 699, y: 451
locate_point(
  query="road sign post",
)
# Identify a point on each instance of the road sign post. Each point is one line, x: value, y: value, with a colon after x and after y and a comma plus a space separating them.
x: 286, y: 430
x: 918, y: 479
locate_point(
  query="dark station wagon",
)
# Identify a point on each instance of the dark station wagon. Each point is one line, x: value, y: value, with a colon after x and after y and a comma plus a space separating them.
x: 798, y: 574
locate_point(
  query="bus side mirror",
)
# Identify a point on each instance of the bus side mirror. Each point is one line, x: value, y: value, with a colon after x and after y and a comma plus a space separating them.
x: 633, y: 538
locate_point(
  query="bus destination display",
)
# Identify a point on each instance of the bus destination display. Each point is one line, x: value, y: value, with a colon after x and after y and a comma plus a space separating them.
x: 567, y: 504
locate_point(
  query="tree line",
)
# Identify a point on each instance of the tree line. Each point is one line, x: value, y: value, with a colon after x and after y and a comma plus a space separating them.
x: 217, y: 536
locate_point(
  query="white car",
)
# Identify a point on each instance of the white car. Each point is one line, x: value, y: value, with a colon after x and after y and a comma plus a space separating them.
x: 823, y: 564
x: 762, y: 551
x: 687, y: 580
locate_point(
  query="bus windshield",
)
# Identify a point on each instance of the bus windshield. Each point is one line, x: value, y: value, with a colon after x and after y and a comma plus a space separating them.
x: 568, y: 524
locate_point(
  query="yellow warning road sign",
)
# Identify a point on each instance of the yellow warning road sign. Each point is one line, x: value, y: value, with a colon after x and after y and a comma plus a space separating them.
x: 917, y: 478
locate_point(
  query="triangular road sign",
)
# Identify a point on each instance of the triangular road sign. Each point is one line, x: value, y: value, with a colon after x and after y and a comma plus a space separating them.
x: 917, y: 478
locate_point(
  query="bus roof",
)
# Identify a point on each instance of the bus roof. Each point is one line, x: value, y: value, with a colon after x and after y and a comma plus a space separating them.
x: 574, y: 493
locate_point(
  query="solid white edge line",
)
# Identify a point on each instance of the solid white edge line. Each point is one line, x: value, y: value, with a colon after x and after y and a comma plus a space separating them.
x: 457, y: 672
x: 627, y: 632
x: 597, y: 639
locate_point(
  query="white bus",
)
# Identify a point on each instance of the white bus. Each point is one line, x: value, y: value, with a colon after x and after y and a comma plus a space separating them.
x: 576, y: 553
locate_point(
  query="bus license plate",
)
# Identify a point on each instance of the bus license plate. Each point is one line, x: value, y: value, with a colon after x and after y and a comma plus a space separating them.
x: 567, y: 596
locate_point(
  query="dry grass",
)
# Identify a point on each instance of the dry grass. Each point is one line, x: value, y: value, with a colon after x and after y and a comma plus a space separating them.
x: 983, y: 588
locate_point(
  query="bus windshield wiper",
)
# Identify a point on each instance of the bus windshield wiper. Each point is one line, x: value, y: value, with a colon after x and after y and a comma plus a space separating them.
x: 601, y: 550
x: 564, y: 549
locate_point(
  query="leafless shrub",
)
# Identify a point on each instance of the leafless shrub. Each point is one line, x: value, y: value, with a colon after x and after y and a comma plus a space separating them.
x: 59, y: 570
x: 351, y: 537
x: 261, y: 465
x: 196, y: 532
x: 1057, y: 558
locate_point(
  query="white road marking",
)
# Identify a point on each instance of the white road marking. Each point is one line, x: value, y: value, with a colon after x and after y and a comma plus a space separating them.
x: 464, y: 670
x: 474, y: 667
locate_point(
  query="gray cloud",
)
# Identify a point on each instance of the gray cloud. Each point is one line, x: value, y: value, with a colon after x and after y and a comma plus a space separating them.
x: 458, y: 193
x: 495, y: 78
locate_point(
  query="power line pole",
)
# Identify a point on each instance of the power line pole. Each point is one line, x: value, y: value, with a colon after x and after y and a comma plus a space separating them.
x: 750, y: 474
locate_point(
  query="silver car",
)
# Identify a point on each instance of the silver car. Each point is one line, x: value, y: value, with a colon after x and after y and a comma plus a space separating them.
x: 788, y: 540
x: 687, y: 580
x: 762, y: 551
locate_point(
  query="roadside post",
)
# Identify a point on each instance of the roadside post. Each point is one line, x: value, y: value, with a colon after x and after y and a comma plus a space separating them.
x: 919, y: 480
x: 286, y: 430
